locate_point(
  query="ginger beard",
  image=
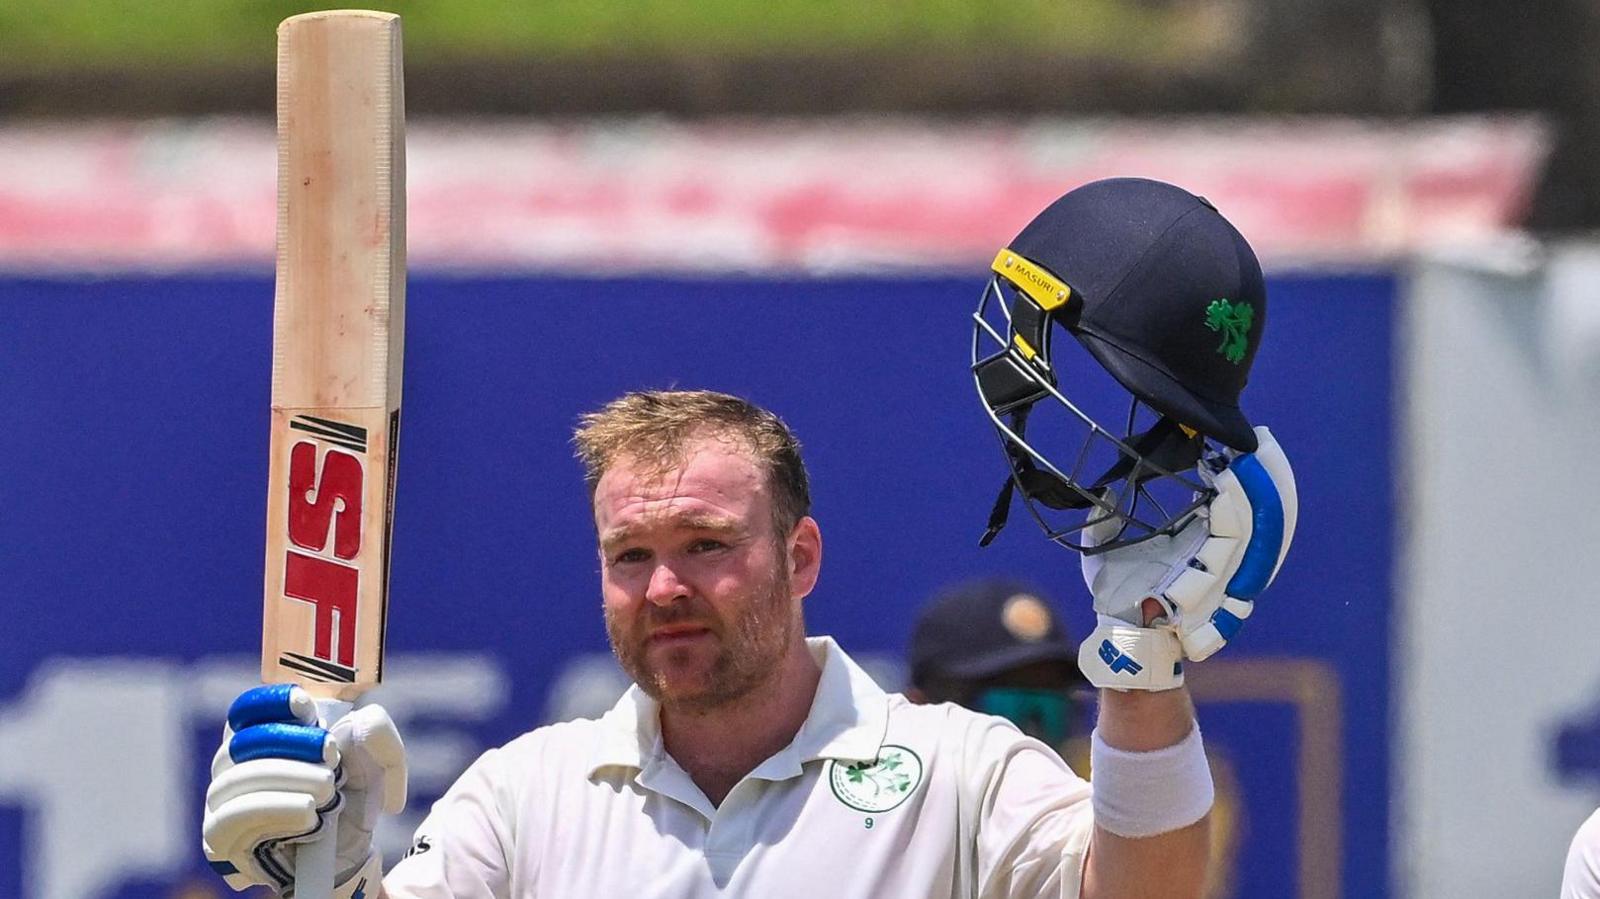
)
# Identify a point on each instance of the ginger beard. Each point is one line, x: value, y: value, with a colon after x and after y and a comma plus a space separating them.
x: 748, y: 648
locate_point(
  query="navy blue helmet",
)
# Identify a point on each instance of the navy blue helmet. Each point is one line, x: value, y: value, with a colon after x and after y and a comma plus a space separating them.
x: 1167, y: 298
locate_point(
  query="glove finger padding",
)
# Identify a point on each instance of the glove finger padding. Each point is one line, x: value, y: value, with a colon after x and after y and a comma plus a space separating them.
x: 1252, y: 522
x: 374, y: 767
x: 1190, y: 594
x: 374, y: 764
x: 246, y: 837
x: 1203, y: 641
x: 1276, y: 464
x: 271, y: 775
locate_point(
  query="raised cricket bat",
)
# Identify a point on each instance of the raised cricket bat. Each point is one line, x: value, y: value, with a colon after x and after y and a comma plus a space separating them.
x: 338, y: 330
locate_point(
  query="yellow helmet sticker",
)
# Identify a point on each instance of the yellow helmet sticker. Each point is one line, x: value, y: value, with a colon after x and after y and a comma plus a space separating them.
x: 1042, y: 287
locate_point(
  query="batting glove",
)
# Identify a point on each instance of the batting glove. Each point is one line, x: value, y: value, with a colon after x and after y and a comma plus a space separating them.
x: 1205, y: 578
x: 280, y: 771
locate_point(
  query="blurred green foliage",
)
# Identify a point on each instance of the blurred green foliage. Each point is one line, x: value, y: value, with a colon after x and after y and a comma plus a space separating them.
x: 45, y: 36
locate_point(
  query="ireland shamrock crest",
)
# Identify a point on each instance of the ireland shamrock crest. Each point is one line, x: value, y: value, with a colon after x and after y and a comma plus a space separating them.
x: 878, y: 785
x: 1233, y: 320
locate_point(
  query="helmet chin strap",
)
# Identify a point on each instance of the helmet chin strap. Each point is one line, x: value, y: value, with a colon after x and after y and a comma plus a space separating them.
x: 1165, y: 447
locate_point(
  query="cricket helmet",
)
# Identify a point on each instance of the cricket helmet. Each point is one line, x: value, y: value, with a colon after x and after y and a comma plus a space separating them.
x: 1167, y: 297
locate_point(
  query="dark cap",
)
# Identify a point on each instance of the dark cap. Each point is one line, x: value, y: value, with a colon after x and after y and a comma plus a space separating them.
x: 1173, y: 303
x: 982, y: 628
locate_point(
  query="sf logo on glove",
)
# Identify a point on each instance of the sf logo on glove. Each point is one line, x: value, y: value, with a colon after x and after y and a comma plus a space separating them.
x: 1118, y: 662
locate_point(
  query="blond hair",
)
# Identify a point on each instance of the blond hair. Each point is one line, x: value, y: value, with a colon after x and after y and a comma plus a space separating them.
x: 654, y: 427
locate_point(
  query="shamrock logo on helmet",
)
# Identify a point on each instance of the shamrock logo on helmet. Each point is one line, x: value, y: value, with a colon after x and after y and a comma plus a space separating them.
x: 1233, y: 320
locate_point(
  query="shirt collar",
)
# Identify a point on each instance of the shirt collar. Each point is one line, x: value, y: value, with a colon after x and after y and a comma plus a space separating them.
x: 848, y: 719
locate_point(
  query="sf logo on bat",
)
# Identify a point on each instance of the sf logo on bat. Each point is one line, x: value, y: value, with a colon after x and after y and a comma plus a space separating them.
x: 322, y: 564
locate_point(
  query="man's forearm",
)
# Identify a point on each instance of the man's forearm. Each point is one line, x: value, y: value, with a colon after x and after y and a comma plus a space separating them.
x: 1170, y: 865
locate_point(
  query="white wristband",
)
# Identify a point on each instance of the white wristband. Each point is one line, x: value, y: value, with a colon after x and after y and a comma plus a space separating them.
x: 1143, y: 794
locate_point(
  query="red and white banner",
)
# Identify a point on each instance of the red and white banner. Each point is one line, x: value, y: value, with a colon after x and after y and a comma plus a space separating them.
x: 847, y: 195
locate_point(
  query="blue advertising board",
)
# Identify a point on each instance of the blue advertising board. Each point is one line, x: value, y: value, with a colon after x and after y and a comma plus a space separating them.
x: 132, y: 471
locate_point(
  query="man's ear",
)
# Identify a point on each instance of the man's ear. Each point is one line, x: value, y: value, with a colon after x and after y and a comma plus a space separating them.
x: 916, y: 695
x: 805, y: 556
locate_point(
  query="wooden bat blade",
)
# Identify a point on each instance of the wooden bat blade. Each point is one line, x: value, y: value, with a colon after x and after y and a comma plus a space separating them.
x: 338, y: 331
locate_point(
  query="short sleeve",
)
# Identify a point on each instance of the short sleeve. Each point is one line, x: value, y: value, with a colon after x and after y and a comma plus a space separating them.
x: 1581, y: 880
x: 461, y: 849
x: 1034, y: 816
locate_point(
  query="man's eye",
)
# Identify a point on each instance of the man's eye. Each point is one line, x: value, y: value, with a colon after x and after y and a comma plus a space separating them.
x: 707, y: 545
x: 629, y: 555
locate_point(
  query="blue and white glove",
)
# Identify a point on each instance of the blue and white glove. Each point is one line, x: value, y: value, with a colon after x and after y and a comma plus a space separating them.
x: 1205, y: 578
x: 279, y: 772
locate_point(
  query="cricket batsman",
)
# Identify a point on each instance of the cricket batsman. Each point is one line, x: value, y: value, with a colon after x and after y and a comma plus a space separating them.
x: 750, y: 759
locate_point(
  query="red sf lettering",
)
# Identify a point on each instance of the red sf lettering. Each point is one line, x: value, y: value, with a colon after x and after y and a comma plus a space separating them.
x: 341, y: 483
x: 331, y: 588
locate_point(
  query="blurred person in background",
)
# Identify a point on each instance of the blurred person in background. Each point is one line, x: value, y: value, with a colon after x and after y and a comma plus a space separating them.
x: 997, y: 646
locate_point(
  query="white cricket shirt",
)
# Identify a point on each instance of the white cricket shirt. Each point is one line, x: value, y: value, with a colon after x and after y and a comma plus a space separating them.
x: 876, y: 798
x: 1581, y: 878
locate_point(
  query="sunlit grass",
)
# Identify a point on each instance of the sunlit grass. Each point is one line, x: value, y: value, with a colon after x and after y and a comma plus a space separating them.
x: 52, y: 35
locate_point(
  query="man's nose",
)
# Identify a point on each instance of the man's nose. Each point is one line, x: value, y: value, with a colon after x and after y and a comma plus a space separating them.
x: 665, y: 586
